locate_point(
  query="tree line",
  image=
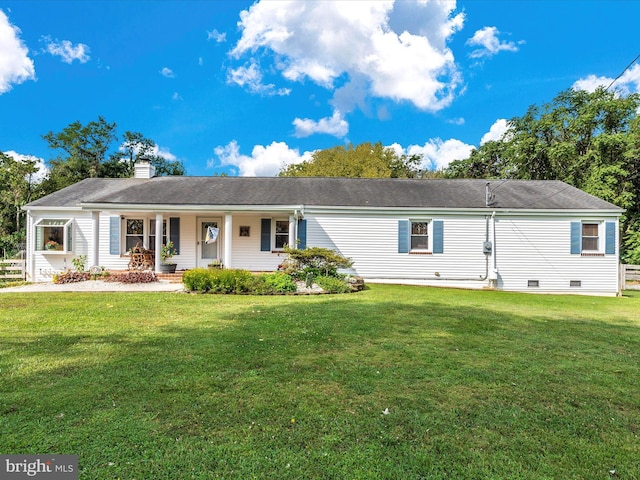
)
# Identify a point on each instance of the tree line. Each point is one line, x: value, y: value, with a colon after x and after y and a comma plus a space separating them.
x: 81, y: 151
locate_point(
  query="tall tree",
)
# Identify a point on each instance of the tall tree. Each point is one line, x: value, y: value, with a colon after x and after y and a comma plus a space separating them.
x: 364, y: 160
x: 92, y: 150
x: 16, y: 190
x: 134, y: 147
x: 83, y: 150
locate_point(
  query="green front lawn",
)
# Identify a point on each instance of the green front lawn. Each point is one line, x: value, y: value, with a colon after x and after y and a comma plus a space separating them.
x: 176, y: 386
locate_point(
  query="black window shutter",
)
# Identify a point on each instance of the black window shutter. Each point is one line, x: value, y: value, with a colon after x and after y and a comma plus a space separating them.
x: 265, y: 235
x: 174, y: 233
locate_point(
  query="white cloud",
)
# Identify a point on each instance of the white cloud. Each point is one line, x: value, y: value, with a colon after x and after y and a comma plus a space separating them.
x: 497, y: 130
x: 264, y: 161
x: 15, y: 64
x: 389, y: 49
x: 40, y: 165
x: 628, y: 82
x: 216, y: 36
x: 250, y: 77
x: 591, y: 83
x: 164, y: 153
x: 489, y: 43
x: 334, y: 125
x: 436, y: 153
x: 66, y: 50
x: 167, y: 72
x: 176, y: 97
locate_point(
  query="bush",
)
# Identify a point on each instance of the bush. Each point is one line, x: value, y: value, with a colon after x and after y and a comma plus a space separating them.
x: 71, y: 277
x: 333, y: 284
x: 218, y: 281
x: 197, y: 280
x: 79, y: 263
x: 279, y: 282
x: 314, y: 260
x: 231, y: 281
x: 203, y: 280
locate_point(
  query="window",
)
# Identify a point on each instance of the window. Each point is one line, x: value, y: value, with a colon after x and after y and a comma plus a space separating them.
x: 124, y: 234
x: 590, y: 237
x: 274, y: 234
x: 152, y: 233
x: 281, y: 234
x: 413, y: 236
x: 134, y: 233
x: 533, y: 283
x: 54, y: 235
x: 419, y: 235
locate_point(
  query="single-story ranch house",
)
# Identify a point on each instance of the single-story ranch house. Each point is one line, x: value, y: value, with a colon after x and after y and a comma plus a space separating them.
x: 515, y: 235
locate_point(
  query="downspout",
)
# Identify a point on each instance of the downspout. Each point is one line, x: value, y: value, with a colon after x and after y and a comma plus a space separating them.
x: 493, y: 278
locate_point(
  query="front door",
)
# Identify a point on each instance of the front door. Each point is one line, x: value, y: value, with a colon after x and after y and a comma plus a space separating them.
x: 208, y: 252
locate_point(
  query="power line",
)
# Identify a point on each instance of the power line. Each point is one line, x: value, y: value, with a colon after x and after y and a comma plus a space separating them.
x: 622, y: 73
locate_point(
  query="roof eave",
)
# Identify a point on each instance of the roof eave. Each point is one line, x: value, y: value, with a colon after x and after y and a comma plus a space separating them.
x: 122, y: 207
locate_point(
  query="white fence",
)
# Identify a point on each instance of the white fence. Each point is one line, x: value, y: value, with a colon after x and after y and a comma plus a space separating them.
x: 630, y: 276
x: 12, y: 270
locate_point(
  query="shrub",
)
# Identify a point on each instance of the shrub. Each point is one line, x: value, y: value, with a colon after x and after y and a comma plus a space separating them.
x: 314, y: 260
x: 132, y: 277
x: 197, y: 280
x: 279, y: 282
x: 333, y: 284
x: 79, y: 263
x: 218, y: 281
x: 71, y: 277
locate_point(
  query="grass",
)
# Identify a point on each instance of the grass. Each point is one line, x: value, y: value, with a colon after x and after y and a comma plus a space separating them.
x: 477, y: 384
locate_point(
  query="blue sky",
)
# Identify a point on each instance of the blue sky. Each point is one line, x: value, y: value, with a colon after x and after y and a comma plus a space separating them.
x: 244, y: 88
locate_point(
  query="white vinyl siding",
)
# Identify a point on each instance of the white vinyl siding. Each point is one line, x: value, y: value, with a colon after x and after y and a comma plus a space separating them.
x: 45, y: 264
x: 523, y: 254
x: 526, y: 248
x: 372, y: 243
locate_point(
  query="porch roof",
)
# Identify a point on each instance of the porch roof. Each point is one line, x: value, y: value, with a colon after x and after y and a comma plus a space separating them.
x: 325, y: 192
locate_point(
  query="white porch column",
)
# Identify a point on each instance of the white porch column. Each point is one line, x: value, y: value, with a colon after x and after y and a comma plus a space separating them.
x: 30, y: 249
x: 292, y: 231
x: 228, y: 237
x: 158, y: 245
x: 95, y: 239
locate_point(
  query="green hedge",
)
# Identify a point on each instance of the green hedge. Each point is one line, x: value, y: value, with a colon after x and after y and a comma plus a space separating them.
x: 204, y: 280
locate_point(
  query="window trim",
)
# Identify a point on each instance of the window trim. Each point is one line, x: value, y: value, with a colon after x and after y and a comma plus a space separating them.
x: 275, y: 234
x: 125, y: 235
x: 147, y: 233
x: 429, y: 236
x: 68, y: 234
x: 598, y: 238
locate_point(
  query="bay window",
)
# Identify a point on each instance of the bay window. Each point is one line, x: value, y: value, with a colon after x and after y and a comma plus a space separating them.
x: 54, y: 235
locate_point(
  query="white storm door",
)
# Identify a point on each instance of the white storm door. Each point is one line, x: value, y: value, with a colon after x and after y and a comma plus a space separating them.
x: 207, y: 252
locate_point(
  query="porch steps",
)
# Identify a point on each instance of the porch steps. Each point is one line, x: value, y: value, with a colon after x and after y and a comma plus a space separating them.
x: 171, y: 277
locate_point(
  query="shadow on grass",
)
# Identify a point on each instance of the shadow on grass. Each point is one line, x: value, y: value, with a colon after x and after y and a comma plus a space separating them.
x: 296, y: 388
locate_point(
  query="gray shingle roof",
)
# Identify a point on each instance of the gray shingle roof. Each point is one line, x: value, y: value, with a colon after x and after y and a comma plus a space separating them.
x: 325, y: 191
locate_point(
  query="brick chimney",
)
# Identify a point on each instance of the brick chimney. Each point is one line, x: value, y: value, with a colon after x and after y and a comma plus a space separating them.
x: 144, y: 169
